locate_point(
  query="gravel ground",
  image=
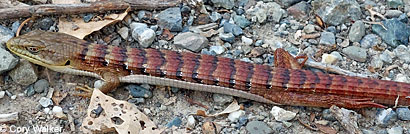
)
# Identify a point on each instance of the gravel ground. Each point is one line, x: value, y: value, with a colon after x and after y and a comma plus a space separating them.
x: 241, y: 29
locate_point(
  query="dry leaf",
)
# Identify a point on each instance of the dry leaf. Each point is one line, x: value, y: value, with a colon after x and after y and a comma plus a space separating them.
x: 319, y: 21
x: 78, y: 28
x: 66, y: 1
x: 326, y: 129
x: 118, y: 115
x: 231, y: 108
x: 167, y: 35
x: 58, y: 96
x: 209, y: 128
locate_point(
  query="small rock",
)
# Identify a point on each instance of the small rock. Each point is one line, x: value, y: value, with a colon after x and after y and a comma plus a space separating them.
x: 336, y: 12
x: 393, y: 13
x: 2, y: 93
x: 309, y: 29
x: 281, y: 114
x: 234, y: 116
x: 98, y: 84
x: 138, y: 91
x: 366, y: 131
x: 46, y: 23
x: 191, y: 122
x: 5, y: 35
x: 395, y: 130
x: 221, y: 99
x: 246, y: 41
x: 170, y: 19
x: 357, y: 31
x: 327, y: 38
x: 14, y: 27
x: 217, y: 49
x: 370, y: 40
x: 41, y: 85
x: 47, y: 110
x: 258, y: 43
x: 229, y: 37
x: 386, y: 57
x: 45, y: 102
x: 174, y: 122
x: 7, y: 60
x: 326, y: 114
x: 403, y: 53
x: 136, y: 100
x: 13, y: 97
x: 258, y: 127
x: 87, y: 17
x: 345, y: 43
x: 241, y: 21
x: 123, y: 31
x: 58, y: 112
x: 228, y: 4
x: 232, y: 28
x: 191, y: 41
x: 262, y: 11
x: 401, y: 78
x: 356, y: 53
x: 376, y: 62
x: 257, y: 51
x: 142, y: 34
x: 144, y: 15
x: 215, y: 16
x: 403, y: 113
x: 397, y: 32
x: 385, y: 116
x: 30, y: 90
x: 242, y: 121
x: 300, y: 10
x: 329, y: 58
x: 394, y: 3
x: 23, y: 73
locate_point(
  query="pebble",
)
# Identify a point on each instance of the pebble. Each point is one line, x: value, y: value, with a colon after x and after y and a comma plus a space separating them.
x: 397, y: 32
x: 246, y: 41
x: 370, y: 40
x: 393, y: 13
x: 7, y: 60
x: 2, y: 93
x: 326, y: 114
x: 228, y: 4
x: 403, y: 113
x: 232, y: 28
x: 401, y: 78
x: 327, y: 38
x: 87, y: 17
x: 281, y: 114
x: 258, y: 43
x: 170, y: 19
x: 242, y: 121
x: 24, y: 73
x: 355, y: 53
x: 386, y: 57
x: 300, y: 10
x: 376, y: 62
x: 395, y: 130
x: 403, y: 53
x: 229, y: 37
x: 137, y: 100
x: 46, y: 23
x: 124, y: 31
x: 41, y: 85
x: 13, y: 97
x: 234, y: 116
x: 309, y: 29
x: 14, y: 28
x: 191, y: 121
x: 394, y: 3
x: 258, y: 127
x: 138, y: 91
x: 58, y: 112
x: 385, y: 116
x: 45, y: 102
x: 336, y: 12
x: 241, y: 21
x: 144, y: 35
x: 217, y: 49
x: 222, y: 99
x: 47, y: 110
x: 357, y: 31
x: 5, y: 35
x: 215, y: 16
x: 262, y: 11
x: 174, y: 122
x: 190, y: 41
x: 98, y: 84
x: 329, y: 58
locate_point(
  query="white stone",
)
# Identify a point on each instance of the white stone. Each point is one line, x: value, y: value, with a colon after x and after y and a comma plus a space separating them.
x: 2, y: 93
x: 246, y: 41
x: 234, y: 116
x: 191, y: 121
x: 281, y: 114
x: 13, y: 97
x: 329, y: 58
x: 45, y: 102
x: 46, y: 110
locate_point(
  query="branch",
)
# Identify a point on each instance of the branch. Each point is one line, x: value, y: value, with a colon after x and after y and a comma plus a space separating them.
x: 58, y: 9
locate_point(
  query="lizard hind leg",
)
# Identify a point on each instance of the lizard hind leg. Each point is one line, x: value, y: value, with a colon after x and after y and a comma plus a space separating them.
x: 111, y: 82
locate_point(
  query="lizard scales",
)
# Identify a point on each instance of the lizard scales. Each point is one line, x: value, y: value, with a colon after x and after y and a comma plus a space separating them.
x: 233, y: 77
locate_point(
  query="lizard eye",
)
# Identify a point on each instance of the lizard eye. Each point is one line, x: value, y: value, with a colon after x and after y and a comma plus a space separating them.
x: 33, y: 49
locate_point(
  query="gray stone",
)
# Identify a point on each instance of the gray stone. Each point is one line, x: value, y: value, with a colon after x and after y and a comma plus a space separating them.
x: 385, y: 117
x: 136, y: 100
x: 327, y: 38
x: 14, y: 27
x: 355, y: 53
x: 335, y: 12
x: 370, y: 41
x: 45, y: 102
x: 287, y: 3
x: 232, y: 28
x: 263, y: 11
x: 215, y: 16
x: 144, y: 35
x: 221, y: 99
x: 24, y: 73
x: 403, y: 53
x: 7, y: 61
x: 396, y: 32
x: 394, y: 3
x: 30, y: 90
x: 174, y: 122
x: 46, y: 23
x: 357, y: 31
x: 366, y: 131
x: 300, y: 10
x: 5, y: 35
x: 395, y: 130
x: 309, y: 29
x: 228, y: 4
x: 281, y: 114
x: 170, y: 19
x: 138, y: 91
x: 2, y: 93
x: 241, y: 21
x: 123, y: 31
x: 403, y: 113
x: 385, y: 56
x: 229, y: 37
x: 376, y: 62
x: 217, y: 49
x: 234, y: 116
x: 393, y: 13
x: 258, y: 127
x: 191, y: 41
x: 41, y: 85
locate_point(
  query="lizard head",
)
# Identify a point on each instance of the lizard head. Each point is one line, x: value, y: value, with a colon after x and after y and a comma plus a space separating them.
x: 44, y: 48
